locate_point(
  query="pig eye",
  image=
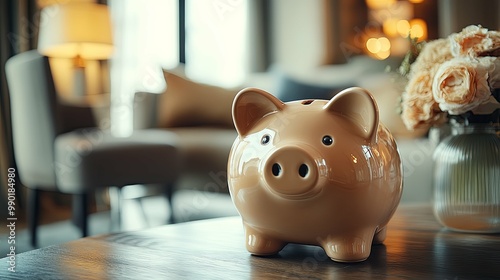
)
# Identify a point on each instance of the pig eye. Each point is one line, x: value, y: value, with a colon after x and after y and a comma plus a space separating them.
x: 327, y: 140
x: 265, y: 139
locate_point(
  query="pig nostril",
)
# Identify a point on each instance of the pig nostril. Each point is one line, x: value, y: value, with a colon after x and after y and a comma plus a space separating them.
x: 276, y: 169
x: 303, y: 170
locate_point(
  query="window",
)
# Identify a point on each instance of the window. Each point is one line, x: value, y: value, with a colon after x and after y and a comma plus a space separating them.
x: 216, y: 41
x: 147, y: 39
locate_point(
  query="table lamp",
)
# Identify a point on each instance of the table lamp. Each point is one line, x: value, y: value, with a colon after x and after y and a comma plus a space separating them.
x: 81, y: 31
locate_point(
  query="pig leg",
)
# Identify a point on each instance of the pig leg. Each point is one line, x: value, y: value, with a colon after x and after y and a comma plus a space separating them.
x: 380, y: 236
x: 259, y: 244
x: 354, y: 247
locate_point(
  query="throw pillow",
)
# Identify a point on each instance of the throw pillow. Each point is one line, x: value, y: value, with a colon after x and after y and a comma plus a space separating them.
x: 189, y: 103
x: 291, y: 89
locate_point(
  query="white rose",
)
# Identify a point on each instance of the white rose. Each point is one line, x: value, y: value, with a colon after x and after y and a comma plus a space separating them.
x: 474, y: 40
x: 433, y: 54
x: 492, y: 64
x: 461, y: 84
x: 419, y: 107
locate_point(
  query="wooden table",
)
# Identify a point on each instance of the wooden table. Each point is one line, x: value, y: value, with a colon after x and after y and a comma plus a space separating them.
x: 416, y: 248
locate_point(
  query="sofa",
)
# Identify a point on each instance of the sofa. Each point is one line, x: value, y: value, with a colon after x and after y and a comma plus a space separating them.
x: 200, y: 114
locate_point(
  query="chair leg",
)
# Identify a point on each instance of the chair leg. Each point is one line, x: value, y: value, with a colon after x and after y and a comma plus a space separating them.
x: 81, y: 212
x: 33, y: 214
x: 115, y: 201
x: 140, y: 201
x: 169, y: 194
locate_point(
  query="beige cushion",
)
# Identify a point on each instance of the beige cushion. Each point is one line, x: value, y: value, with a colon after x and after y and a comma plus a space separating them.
x: 189, y: 103
x: 205, y: 153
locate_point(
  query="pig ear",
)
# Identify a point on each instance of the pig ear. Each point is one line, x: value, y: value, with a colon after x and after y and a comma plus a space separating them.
x: 250, y: 105
x: 358, y: 106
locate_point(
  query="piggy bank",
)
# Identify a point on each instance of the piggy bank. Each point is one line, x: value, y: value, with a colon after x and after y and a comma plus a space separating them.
x: 316, y: 172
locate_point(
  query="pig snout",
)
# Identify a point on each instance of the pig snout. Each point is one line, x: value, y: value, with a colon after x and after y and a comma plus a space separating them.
x: 290, y: 171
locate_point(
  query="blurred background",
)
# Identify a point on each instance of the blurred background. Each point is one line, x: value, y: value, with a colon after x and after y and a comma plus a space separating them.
x: 282, y: 46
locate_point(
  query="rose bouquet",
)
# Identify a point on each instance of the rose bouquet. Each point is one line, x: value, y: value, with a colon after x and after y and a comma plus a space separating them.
x: 455, y: 76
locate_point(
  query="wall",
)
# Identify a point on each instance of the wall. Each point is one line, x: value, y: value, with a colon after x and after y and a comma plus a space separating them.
x: 457, y: 14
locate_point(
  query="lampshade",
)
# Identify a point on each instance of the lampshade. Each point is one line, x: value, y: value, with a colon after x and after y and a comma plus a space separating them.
x: 76, y: 29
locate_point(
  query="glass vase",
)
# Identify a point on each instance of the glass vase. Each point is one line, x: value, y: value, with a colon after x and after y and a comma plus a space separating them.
x: 467, y: 178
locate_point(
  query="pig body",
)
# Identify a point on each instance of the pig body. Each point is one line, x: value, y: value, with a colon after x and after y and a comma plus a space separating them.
x: 318, y: 172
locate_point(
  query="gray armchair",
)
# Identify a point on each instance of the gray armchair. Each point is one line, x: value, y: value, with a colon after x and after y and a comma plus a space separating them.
x: 58, y: 147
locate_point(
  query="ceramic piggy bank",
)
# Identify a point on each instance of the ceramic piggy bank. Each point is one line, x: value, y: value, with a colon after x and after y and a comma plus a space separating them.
x: 317, y: 172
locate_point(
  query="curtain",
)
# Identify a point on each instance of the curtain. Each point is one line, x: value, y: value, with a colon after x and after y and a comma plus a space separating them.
x: 145, y: 40
x: 19, y: 20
